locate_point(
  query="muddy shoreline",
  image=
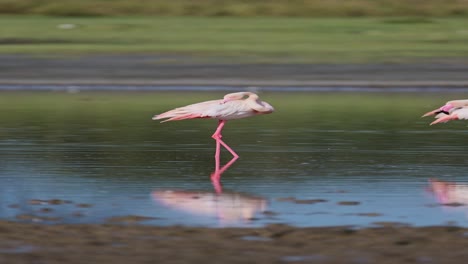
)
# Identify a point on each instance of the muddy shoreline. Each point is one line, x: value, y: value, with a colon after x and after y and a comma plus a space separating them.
x: 32, y: 243
x: 171, y: 70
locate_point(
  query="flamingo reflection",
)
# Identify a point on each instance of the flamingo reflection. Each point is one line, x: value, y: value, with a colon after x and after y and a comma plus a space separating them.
x: 216, y: 174
x: 227, y: 207
x: 449, y: 192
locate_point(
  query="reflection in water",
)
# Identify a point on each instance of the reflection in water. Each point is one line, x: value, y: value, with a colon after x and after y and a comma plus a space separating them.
x: 449, y: 192
x: 100, y: 149
x: 216, y: 175
x: 228, y: 207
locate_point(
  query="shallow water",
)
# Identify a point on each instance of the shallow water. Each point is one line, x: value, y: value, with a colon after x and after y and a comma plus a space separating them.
x: 321, y: 159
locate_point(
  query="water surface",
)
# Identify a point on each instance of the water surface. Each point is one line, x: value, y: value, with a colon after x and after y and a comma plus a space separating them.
x: 321, y: 159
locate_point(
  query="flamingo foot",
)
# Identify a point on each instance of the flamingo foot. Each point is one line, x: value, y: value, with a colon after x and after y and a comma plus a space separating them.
x: 233, y: 153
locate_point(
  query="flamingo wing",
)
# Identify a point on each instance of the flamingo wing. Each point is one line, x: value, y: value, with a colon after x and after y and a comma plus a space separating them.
x: 208, y: 109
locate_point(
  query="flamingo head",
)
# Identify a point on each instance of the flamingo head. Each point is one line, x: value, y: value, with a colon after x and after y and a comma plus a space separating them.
x: 266, y: 108
x: 456, y: 114
x: 448, y: 108
x: 445, y: 109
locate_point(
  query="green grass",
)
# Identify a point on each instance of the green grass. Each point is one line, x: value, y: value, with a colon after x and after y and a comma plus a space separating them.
x: 243, y: 39
x: 315, y: 8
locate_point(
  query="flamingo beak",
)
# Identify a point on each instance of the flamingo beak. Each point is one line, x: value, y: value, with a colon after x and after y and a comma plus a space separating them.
x: 444, y: 119
x: 433, y: 112
x: 444, y: 109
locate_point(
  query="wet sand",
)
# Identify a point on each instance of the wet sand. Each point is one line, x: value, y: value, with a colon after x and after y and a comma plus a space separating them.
x: 31, y: 243
x: 171, y: 70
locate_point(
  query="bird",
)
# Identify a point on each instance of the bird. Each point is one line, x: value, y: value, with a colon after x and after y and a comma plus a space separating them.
x: 232, y: 106
x: 452, y: 110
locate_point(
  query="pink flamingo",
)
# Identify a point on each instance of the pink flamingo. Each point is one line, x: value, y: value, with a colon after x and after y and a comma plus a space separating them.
x: 232, y: 106
x: 452, y: 110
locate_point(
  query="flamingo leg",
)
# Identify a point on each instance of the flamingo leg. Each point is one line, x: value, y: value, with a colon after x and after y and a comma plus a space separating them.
x: 217, y: 154
x: 217, y: 136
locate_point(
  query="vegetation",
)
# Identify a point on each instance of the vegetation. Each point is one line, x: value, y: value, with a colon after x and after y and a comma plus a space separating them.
x: 315, y: 8
x: 245, y: 39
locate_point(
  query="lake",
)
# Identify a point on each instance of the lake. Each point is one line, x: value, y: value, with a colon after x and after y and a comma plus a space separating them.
x: 322, y: 159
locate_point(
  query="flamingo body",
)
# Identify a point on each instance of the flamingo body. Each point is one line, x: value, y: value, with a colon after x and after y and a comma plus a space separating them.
x: 216, y: 109
x: 232, y: 106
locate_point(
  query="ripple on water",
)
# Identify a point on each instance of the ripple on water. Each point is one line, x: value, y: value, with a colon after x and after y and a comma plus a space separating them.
x: 103, y: 154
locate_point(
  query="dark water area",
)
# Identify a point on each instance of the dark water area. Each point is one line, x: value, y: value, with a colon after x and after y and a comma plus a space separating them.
x: 322, y: 159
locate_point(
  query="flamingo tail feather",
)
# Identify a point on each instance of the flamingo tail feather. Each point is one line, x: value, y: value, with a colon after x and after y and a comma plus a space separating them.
x: 176, y: 114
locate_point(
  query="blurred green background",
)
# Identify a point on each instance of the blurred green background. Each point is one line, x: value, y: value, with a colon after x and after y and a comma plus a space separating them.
x: 263, y: 30
x: 307, y: 8
x: 99, y: 120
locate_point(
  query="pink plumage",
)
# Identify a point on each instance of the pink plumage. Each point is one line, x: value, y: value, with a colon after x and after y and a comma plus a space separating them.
x: 452, y: 110
x: 232, y: 106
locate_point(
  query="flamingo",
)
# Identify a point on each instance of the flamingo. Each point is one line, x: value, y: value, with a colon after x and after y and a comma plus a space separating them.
x: 452, y: 110
x: 232, y: 106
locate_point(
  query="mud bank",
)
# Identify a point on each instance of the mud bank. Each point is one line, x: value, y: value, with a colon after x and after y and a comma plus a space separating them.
x: 180, y: 70
x: 31, y: 243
